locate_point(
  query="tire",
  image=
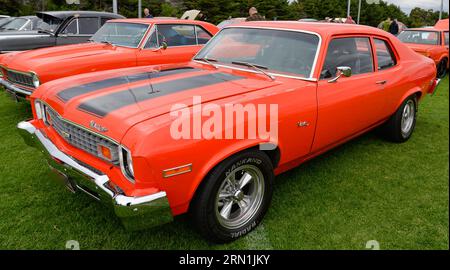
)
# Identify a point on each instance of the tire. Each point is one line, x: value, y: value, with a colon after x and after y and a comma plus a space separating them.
x: 442, y: 68
x: 238, y: 210
x: 400, y: 126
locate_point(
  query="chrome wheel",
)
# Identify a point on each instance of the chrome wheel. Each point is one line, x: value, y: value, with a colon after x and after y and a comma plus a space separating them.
x: 240, y: 196
x: 408, y: 115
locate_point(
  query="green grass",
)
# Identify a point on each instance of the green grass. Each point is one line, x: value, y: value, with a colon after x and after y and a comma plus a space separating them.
x: 367, y: 189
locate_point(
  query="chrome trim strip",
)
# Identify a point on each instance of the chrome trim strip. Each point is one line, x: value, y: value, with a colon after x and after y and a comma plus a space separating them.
x: 316, y: 57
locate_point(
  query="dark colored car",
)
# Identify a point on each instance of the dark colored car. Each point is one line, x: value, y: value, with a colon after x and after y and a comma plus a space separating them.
x: 24, y: 23
x: 57, y: 28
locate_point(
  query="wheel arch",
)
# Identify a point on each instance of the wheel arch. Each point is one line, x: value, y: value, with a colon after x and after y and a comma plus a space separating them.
x: 273, y: 152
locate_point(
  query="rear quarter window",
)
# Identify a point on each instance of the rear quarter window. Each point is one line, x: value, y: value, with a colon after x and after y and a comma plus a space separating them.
x: 385, y: 55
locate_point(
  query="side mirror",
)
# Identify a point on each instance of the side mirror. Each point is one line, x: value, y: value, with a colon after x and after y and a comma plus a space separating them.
x: 162, y: 47
x: 341, y: 71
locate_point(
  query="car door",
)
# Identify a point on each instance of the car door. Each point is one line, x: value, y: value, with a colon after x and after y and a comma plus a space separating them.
x: 350, y: 104
x: 183, y: 41
x: 78, y: 30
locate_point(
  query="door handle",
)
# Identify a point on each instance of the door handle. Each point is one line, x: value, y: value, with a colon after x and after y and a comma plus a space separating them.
x: 381, y: 82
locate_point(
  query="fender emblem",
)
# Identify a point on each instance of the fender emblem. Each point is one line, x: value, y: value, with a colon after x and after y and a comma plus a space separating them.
x: 97, y: 127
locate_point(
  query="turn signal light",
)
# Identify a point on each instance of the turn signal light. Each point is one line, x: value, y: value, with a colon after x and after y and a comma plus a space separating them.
x: 105, y: 152
x: 178, y: 170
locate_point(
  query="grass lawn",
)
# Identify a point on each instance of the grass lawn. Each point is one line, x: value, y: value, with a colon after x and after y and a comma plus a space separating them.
x: 367, y: 189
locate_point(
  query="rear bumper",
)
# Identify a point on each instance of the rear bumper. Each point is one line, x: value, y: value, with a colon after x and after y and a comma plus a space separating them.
x: 135, y: 212
x: 14, y: 89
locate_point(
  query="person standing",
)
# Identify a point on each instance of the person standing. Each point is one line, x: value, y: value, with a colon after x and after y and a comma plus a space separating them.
x: 147, y: 13
x: 254, y: 15
x: 393, y: 28
x: 350, y: 20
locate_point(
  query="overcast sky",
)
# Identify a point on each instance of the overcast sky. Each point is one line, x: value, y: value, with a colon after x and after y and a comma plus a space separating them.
x: 407, y: 5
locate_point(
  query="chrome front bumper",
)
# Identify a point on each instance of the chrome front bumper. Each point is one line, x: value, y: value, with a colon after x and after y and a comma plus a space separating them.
x: 135, y: 212
x: 14, y: 89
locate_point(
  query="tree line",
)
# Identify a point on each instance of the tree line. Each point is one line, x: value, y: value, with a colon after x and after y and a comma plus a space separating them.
x: 219, y: 10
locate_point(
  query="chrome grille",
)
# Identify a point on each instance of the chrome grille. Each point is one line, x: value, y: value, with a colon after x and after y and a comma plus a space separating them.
x: 20, y: 78
x: 79, y: 137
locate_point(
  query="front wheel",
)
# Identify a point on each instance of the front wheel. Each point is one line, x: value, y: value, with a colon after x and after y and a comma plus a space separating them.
x: 234, y: 197
x: 400, y: 126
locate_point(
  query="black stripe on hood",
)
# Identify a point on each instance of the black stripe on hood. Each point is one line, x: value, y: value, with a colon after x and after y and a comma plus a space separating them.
x: 69, y: 93
x: 103, y: 105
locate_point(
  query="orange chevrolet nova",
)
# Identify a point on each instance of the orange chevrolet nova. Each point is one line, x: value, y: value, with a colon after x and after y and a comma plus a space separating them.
x: 207, y: 137
x: 119, y: 43
x: 431, y: 42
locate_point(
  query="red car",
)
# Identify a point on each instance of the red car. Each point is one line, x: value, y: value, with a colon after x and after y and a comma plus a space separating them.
x: 431, y: 42
x: 117, y: 44
x: 208, y: 137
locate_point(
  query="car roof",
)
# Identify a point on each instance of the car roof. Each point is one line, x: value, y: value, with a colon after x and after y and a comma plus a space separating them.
x: 429, y: 29
x: 322, y: 28
x: 66, y: 14
x: 159, y: 20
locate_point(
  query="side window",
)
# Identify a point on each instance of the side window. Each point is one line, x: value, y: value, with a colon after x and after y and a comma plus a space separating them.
x: 355, y: 53
x: 87, y: 26
x: 385, y: 55
x: 28, y: 26
x: 177, y: 35
x: 446, y: 38
x: 152, y: 41
x: 202, y: 36
x: 71, y: 28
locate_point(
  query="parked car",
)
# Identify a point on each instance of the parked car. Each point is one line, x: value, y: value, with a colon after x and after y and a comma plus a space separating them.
x: 225, y: 23
x: 115, y: 134
x: 57, y: 28
x: 25, y: 23
x: 431, y: 42
x: 118, y: 44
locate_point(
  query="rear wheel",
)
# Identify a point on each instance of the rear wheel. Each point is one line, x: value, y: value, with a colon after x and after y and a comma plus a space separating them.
x: 442, y: 68
x: 400, y: 126
x: 234, y: 197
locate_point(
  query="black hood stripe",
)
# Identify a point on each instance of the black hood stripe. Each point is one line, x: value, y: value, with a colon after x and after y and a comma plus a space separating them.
x: 103, y: 105
x: 67, y: 94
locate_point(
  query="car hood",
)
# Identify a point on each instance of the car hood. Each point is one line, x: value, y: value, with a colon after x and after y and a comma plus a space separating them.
x: 46, y: 58
x: 117, y: 100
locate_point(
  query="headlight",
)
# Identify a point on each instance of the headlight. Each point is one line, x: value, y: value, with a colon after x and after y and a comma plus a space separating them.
x: 126, y: 163
x: 38, y: 109
x: 36, y: 82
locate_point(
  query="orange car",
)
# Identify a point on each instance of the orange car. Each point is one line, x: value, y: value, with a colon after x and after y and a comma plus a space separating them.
x: 431, y: 42
x: 208, y: 137
x: 117, y: 44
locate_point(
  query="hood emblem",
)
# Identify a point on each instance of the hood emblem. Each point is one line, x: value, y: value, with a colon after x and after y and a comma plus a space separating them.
x: 97, y: 127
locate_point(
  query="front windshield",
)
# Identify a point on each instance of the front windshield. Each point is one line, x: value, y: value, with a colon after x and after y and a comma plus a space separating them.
x: 278, y: 51
x: 49, y: 24
x: 121, y: 34
x: 15, y: 24
x: 419, y: 37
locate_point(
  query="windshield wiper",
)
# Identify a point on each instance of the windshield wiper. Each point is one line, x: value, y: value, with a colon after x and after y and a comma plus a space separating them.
x: 208, y: 61
x: 255, y: 67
